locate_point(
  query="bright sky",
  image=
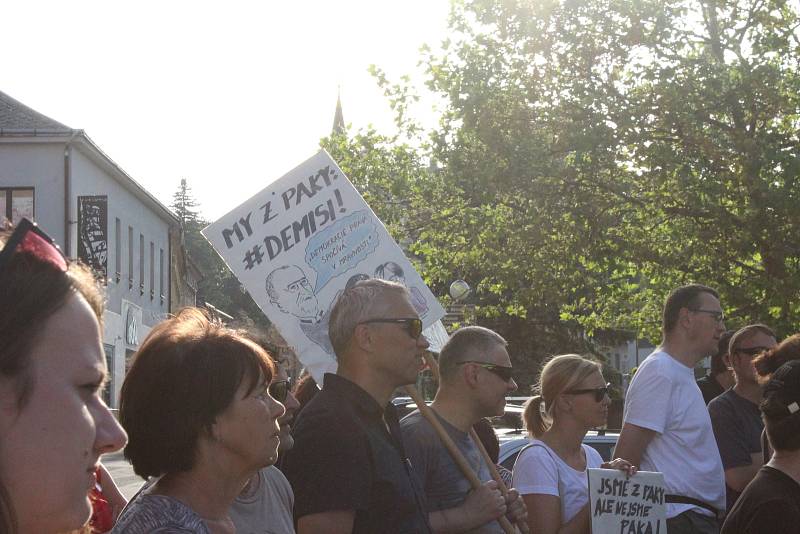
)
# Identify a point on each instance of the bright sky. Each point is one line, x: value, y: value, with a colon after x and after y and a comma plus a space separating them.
x: 230, y: 95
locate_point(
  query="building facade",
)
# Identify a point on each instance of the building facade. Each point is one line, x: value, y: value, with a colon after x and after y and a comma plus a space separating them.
x: 58, y: 177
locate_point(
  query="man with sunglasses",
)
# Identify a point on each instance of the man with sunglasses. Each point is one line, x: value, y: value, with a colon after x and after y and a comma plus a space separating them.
x: 348, y: 468
x: 475, y: 377
x: 267, y: 501
x: 735, y: 415
x: 666, y: 426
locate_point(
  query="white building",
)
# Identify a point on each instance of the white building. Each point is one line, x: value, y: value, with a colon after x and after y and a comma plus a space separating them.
x: 626, y: 356
x: 95, y: 211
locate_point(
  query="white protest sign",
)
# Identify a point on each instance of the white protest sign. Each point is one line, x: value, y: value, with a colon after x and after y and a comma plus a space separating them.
x: 620, y: 505
x: 297, y: 244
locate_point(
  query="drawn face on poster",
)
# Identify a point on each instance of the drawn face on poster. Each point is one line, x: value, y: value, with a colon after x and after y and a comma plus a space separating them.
x: 289, y: 289
x: 299, y: 243
x: 93, y: 233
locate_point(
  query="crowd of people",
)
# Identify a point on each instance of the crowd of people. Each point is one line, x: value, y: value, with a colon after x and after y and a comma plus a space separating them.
x: 208, y: 418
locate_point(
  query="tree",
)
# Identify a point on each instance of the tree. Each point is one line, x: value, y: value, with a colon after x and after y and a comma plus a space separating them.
x: 218, y: 286
x: 596, y: 154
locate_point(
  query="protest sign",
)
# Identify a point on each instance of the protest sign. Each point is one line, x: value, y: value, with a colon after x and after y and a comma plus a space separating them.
x: 621, y: 505
x: 297, y: 244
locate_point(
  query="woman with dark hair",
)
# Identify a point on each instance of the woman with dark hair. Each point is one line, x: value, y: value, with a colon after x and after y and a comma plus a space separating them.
x: 53, y: 422
x: 198, y: 411
x: 771, y: 502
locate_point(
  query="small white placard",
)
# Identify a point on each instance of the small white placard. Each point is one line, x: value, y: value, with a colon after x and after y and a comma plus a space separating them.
x: 621, y: 505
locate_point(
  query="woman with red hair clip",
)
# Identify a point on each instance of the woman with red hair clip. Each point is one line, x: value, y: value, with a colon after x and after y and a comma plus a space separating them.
x: 53, y: 421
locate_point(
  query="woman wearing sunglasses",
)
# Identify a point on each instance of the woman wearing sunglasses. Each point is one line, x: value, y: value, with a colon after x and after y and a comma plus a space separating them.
x: 200, y: 417
x: 53, y: 423
x: 550, y: 473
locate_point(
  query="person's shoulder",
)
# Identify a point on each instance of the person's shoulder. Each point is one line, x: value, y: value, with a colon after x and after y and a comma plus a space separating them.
x: 657, y: 367
x: 415, y: 423
x: 273, y: 475
x: 159, y: 513
x: 593, y: 458
x: 537, y: 451
x: 723, y: 403
x: 411, y: 419
x: 323, y: 415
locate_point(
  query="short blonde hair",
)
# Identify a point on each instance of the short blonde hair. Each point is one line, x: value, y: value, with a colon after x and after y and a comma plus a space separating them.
x: 361, y: 302
x: 559, y: 374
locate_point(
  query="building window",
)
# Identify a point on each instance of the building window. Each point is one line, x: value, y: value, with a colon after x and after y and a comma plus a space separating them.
x: 16, y: 203
x: 161, y: 274
x: 152, y: 271
x: 117, y: 250
x: 141, y: 264
x: 130, y: 258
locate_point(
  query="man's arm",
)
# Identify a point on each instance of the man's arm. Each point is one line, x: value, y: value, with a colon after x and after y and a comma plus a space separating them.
x: 633, y: 440
x: 481, y: 506
x: 336, y: 522
x: 739, y: 463
x: 739, y: 477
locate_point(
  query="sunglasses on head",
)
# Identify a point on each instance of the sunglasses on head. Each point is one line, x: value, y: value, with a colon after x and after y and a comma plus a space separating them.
x: 413, y: 324
x: 29, y: 238
x: 279, y: 389
x: 504, y: 373
x: 599, y: 393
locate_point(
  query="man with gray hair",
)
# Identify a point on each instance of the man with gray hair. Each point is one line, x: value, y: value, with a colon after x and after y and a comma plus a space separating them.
x: 735, y: 416
x: 348, y: 467
x: 475, y: 377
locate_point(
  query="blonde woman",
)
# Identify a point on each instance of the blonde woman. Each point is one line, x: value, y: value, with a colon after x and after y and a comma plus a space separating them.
x: 550, y: 474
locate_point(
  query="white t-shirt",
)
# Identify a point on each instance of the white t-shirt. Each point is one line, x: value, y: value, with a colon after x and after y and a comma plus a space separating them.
x: 538, y: 469
x: 664, y: 397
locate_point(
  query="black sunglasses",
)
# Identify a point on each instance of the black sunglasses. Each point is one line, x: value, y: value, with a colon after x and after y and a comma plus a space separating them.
x: 599, y: 393
x: 504, y: 373
x: 279, y: 389
x: 413, y: 324
x: 29, y: 238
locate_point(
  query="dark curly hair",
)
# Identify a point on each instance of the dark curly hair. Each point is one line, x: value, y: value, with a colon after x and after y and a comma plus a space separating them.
x: 770, y: 360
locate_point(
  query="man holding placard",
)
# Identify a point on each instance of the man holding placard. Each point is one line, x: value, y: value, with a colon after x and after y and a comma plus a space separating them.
x: 666, y: 424
x: 348, y: 467
x: 475, y: 377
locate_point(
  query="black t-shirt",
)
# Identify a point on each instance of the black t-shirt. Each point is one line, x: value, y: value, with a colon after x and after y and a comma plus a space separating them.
x: 345, y: 458
x: 710, y: 388
x: 737, y: 428
x: 770, y: 503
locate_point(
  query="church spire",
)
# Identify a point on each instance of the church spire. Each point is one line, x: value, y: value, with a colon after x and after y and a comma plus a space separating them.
x: 338, y: 117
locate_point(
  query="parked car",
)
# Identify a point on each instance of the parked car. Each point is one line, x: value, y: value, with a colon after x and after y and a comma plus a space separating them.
x: 602, y: 442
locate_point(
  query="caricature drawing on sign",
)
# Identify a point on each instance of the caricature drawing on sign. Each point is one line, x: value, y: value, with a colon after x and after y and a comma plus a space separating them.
x: 394, y: 273
x: 288, y: 288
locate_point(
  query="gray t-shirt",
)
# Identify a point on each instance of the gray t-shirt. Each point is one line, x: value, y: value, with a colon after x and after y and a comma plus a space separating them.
x: 158, y: 514
x: 445, y: 486
x: 737, y: 428
x: 267, y: 509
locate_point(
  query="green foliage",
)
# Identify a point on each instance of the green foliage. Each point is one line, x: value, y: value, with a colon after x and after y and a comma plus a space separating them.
x: 596, y: 154
x: 600, y: 153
